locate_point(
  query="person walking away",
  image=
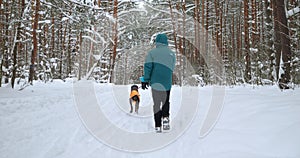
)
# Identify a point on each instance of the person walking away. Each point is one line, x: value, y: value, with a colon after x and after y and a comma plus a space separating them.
x: 158, y: 71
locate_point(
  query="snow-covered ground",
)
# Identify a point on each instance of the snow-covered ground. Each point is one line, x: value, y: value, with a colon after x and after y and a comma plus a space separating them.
x: 44, y: 121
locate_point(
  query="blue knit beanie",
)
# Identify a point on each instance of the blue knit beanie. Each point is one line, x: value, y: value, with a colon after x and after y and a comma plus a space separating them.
x: 162, y: 38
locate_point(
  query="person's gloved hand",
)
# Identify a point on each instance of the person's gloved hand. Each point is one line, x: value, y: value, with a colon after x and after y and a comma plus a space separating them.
x: 145, y: 85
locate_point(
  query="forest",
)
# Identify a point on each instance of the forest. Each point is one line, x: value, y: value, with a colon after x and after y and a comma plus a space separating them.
x: 225, y: 42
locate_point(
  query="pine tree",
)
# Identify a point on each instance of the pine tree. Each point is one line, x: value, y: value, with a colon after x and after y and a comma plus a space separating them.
x: 35, y: 41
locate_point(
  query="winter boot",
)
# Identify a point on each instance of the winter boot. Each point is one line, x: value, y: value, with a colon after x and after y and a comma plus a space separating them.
x: 158, y: 129
x: 166, y: 123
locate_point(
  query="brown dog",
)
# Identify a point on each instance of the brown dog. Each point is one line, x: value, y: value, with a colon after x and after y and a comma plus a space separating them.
x: 134, y: 98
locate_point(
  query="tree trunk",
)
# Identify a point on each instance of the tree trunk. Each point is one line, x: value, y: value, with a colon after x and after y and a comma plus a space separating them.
x: 239, y: 35
x: 268, y: 36
x: 179, y: 25
x: 1, y: 44
x: 91, y: 52
x: 1, y: 71
x: 5, y: 48
x: 233, y: 57
x: 70, y: 50
x: 193, y: 57
x: 255, y: 35
x: 173, y: 25
x: 180, y: 51
x: 277, y: 39
x: 217, y: 11
x: 183, y: 57
x: 285, y: 41
x: 205, y: 28
x: 255, y: 41
x: 222, y: 45
x: 35, y: 42
x: 69, y: 60
x: 99, y: 3
x: 52, y: 34
x: 246, y: 42
x: 80, y: 55
x: 15, y: 52
x: 115, y: 38
x: 63, y: 34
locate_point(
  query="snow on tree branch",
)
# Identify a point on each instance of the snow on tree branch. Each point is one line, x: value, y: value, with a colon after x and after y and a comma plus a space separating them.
x: 97, y: 34
x: 292, y: 12
x: 126, y: 12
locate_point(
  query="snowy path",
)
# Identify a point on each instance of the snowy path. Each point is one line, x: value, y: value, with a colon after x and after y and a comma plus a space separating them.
x: 119, y: 137
x: 43, y: 121
x: 214, y: 111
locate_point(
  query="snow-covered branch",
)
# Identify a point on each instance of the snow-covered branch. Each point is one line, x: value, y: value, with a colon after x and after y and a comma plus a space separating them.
x: 91, y: 39
x: 292, y: 12
x: 126, y: 12
x: 97, y: 34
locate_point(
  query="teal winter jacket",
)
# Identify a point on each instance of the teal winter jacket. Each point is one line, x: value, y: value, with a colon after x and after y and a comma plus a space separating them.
x: 159, y: 65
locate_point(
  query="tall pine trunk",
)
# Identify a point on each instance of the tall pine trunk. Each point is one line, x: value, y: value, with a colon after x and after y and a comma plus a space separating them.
x: 247, y: 75
x: 173, y: 25
x: 80, y: 50
x: 184, y: 44
x: 1, y: 43
x: 69, y: 49
x: 115, y: 38
x: 277, y: 39
x: 69, y: 60
x: 195, y: 57
x: 218, y: 28
x: 35, y: 42
x: 284, y: 41
x: 15, y: 52
x: 179, y: 57
x: 268, y: 36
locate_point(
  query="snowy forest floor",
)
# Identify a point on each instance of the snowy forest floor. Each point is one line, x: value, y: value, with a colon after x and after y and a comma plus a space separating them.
x: 42, y: 121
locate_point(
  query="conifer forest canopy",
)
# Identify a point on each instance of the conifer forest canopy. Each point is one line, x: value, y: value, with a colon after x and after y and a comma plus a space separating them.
x: 253, y: 41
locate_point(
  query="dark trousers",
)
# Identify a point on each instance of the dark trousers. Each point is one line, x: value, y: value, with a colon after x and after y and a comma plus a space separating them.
x: 161, y: 105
